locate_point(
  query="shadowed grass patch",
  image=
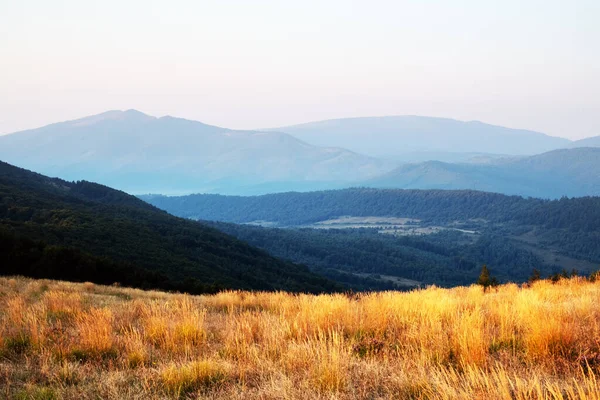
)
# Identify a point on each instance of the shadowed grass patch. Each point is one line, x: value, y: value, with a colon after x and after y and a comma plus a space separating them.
x: 185, y: 378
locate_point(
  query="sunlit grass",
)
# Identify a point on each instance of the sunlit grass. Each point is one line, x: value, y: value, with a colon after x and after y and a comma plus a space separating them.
x: 65, y: 340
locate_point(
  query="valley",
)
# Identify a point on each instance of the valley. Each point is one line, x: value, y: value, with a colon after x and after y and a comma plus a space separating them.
x: 431, y: 237
x: 387, y: 225
x: 356, y: 239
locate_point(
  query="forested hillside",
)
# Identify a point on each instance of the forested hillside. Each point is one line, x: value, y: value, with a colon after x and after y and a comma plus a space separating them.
x: 366, y: 259
x: 85, y: 231
x: 292, y: 208
x: 434, y: 206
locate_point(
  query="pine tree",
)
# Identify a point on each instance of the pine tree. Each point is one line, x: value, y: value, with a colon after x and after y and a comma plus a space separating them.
x: 535, y: 275
x: 485, y: 279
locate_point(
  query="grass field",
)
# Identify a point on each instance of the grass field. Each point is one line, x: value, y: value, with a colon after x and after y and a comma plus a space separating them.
x: 83, y: 341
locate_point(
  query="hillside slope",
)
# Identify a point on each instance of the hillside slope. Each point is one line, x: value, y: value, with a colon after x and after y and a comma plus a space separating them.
x: 89, y: 220
x: 587, y: 142
x: 295, y: 209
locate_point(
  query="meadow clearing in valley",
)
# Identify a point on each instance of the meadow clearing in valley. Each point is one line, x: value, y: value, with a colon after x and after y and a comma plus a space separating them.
x: 62, y: 340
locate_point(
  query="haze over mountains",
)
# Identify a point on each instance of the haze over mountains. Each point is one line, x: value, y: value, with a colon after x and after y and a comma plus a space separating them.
x: 587, y: 142
x: 395, y: 136
x: 140, y: 154
x: 567, y: 172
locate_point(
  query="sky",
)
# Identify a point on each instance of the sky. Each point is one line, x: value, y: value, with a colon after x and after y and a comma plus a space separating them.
x: 254, y: 64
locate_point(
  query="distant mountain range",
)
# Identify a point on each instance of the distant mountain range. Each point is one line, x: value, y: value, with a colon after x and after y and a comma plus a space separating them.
x: 567, y: 172
x: 400, y: 137
x: 588, y: 142
x: 140, y: 154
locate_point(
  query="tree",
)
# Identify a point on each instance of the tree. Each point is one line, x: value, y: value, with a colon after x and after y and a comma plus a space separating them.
x: 485, y: 279
x: 535, y: 275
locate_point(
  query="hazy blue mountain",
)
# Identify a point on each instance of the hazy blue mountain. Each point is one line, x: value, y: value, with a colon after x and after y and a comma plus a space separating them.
x: 402, y: 136
x: 139, y: 154
x: 587, y: 142
x: 566, y: 172
x: 450, y: 157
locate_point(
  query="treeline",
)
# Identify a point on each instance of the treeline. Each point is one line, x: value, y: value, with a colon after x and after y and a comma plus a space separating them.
x: 581, y: 214
x: 289, y: 209
x: 293, y: 209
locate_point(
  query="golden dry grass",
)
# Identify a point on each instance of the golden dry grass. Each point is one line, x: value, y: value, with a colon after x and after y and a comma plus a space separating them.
x: 78, y: 341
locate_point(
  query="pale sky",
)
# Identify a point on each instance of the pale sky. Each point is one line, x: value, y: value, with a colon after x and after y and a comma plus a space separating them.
x: 252, y: 64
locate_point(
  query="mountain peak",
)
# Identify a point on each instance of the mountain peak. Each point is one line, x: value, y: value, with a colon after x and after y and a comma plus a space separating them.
x: 130, y: 115
x: 135, y: 113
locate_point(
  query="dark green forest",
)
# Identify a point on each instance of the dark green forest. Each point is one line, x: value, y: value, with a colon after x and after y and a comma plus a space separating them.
x: 55, y: 229
x: 36, y: 259
x: 444, y: 259
x: 293, y: 208
x: 433, y: 206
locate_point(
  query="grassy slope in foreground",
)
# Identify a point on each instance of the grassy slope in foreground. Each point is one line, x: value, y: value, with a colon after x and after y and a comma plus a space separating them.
x: 49, y: 225
x: 73, y: 341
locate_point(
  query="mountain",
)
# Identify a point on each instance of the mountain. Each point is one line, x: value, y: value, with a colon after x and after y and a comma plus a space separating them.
x: 85, y: 231
x: 437, y: 237
x: 407, y: 137
x: 587, y: 142
x: 138, y: 153
x: 566, y: 172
